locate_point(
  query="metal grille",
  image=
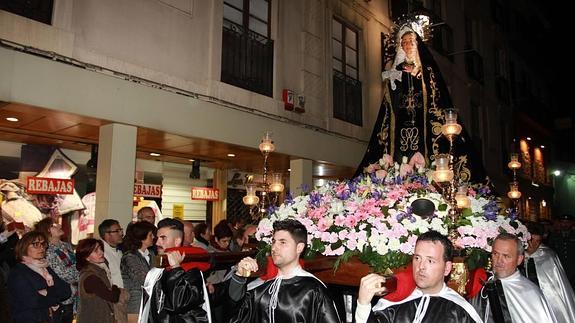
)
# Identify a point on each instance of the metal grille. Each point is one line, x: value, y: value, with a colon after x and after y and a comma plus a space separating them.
x: 247, y: 59
x: 347, y: 99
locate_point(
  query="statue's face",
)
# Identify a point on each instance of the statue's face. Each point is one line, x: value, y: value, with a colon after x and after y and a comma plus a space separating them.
x: 409, y: 43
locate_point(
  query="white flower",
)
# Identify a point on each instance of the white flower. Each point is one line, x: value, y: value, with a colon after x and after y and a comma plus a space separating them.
x: 337, y: 208
x: 394, y: 244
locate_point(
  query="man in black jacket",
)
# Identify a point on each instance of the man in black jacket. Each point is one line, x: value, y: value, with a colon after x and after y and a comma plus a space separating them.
x: 293, y: 295
x: 177, y: 293
x: 431, y: 301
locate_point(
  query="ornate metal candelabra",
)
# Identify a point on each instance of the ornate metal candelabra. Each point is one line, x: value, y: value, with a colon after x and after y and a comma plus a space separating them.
x: 445, y: 174
x: 514, y: 194
x: 270, y: 187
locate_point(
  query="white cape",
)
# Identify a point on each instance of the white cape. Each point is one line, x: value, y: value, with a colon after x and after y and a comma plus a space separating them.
x: 525, y: 301
x: 554, y: 283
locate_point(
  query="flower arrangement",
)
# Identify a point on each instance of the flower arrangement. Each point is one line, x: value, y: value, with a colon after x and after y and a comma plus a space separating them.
x: 374, y: 217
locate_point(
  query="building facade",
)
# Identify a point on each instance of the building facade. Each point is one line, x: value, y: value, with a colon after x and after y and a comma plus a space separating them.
x: 192, y: 79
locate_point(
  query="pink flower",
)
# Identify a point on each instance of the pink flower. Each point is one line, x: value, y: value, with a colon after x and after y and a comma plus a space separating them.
x: 351, y: 244
x: 323, y: 224
x: 417, y: 161
x: 325, y: 236
x: 372, y: 168
x: 351, y: 221
x: 405, y: 169
x: 317, y: 213
x: 380, y: 173
x: 340, y: 220
x: 386, y: 160
x: 334, y: 237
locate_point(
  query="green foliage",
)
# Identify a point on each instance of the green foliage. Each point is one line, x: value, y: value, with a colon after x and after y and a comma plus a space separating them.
x: 379, y: 263
x: 317, y: 245
x: 466, y: 212
x: 345, y: 257
x: 264, y: 250
x: 476, y: 258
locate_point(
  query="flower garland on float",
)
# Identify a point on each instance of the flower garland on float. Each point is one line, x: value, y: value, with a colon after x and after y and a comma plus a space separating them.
x: 378, y: 216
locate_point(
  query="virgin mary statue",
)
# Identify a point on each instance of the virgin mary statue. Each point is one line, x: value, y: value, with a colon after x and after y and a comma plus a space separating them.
x: 412, y: 112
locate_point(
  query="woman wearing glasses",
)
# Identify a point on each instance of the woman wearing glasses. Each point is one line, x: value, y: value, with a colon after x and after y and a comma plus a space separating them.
x: 35, y: 289
x: 97, y: 294
x: 62, y: 259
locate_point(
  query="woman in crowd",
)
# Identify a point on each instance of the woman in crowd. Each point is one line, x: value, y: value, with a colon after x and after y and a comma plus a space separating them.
x: 35, y: 289
x: 97, y: 294
x: 62, y: 259
x: 241, y: 240
x: 202, y: 237
x: 220, y: 242
x: 222, y: 237
x: 136, y: 262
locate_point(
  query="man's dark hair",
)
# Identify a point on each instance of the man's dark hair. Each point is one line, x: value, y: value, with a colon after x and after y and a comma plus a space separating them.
x: 223, y: 230
x: 294, y: 227
x: 200, y: 228
x: 435, y: 236
x: 172, y: 224
x: 105, y: 226
x: 536, y: 229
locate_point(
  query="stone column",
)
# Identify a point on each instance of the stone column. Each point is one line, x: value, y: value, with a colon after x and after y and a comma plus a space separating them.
x: 219, y: 209
x: 115, y: 174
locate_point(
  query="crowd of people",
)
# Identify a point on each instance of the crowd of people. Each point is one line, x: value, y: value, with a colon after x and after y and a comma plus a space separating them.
x: 113, y: 279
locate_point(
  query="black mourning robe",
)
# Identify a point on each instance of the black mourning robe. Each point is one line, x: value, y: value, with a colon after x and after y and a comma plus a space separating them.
x: 300, y: 299
x: 178, y: 296
x: 410, y: 119
x: 446, y: 307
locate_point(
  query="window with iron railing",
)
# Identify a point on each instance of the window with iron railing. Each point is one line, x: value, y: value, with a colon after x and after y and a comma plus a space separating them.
x: 347, y: 91
x: 39, y: 10
x: 247, y: 49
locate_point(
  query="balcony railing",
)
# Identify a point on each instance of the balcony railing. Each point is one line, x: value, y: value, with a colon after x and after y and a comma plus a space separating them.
x: 347, y: 102
x: 247, y: 59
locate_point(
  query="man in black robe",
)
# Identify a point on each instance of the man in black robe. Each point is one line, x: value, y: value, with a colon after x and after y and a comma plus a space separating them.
x: 294, y: 295
x: 177, y: 293
x: 431, y: 301
x: 543, y: 268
